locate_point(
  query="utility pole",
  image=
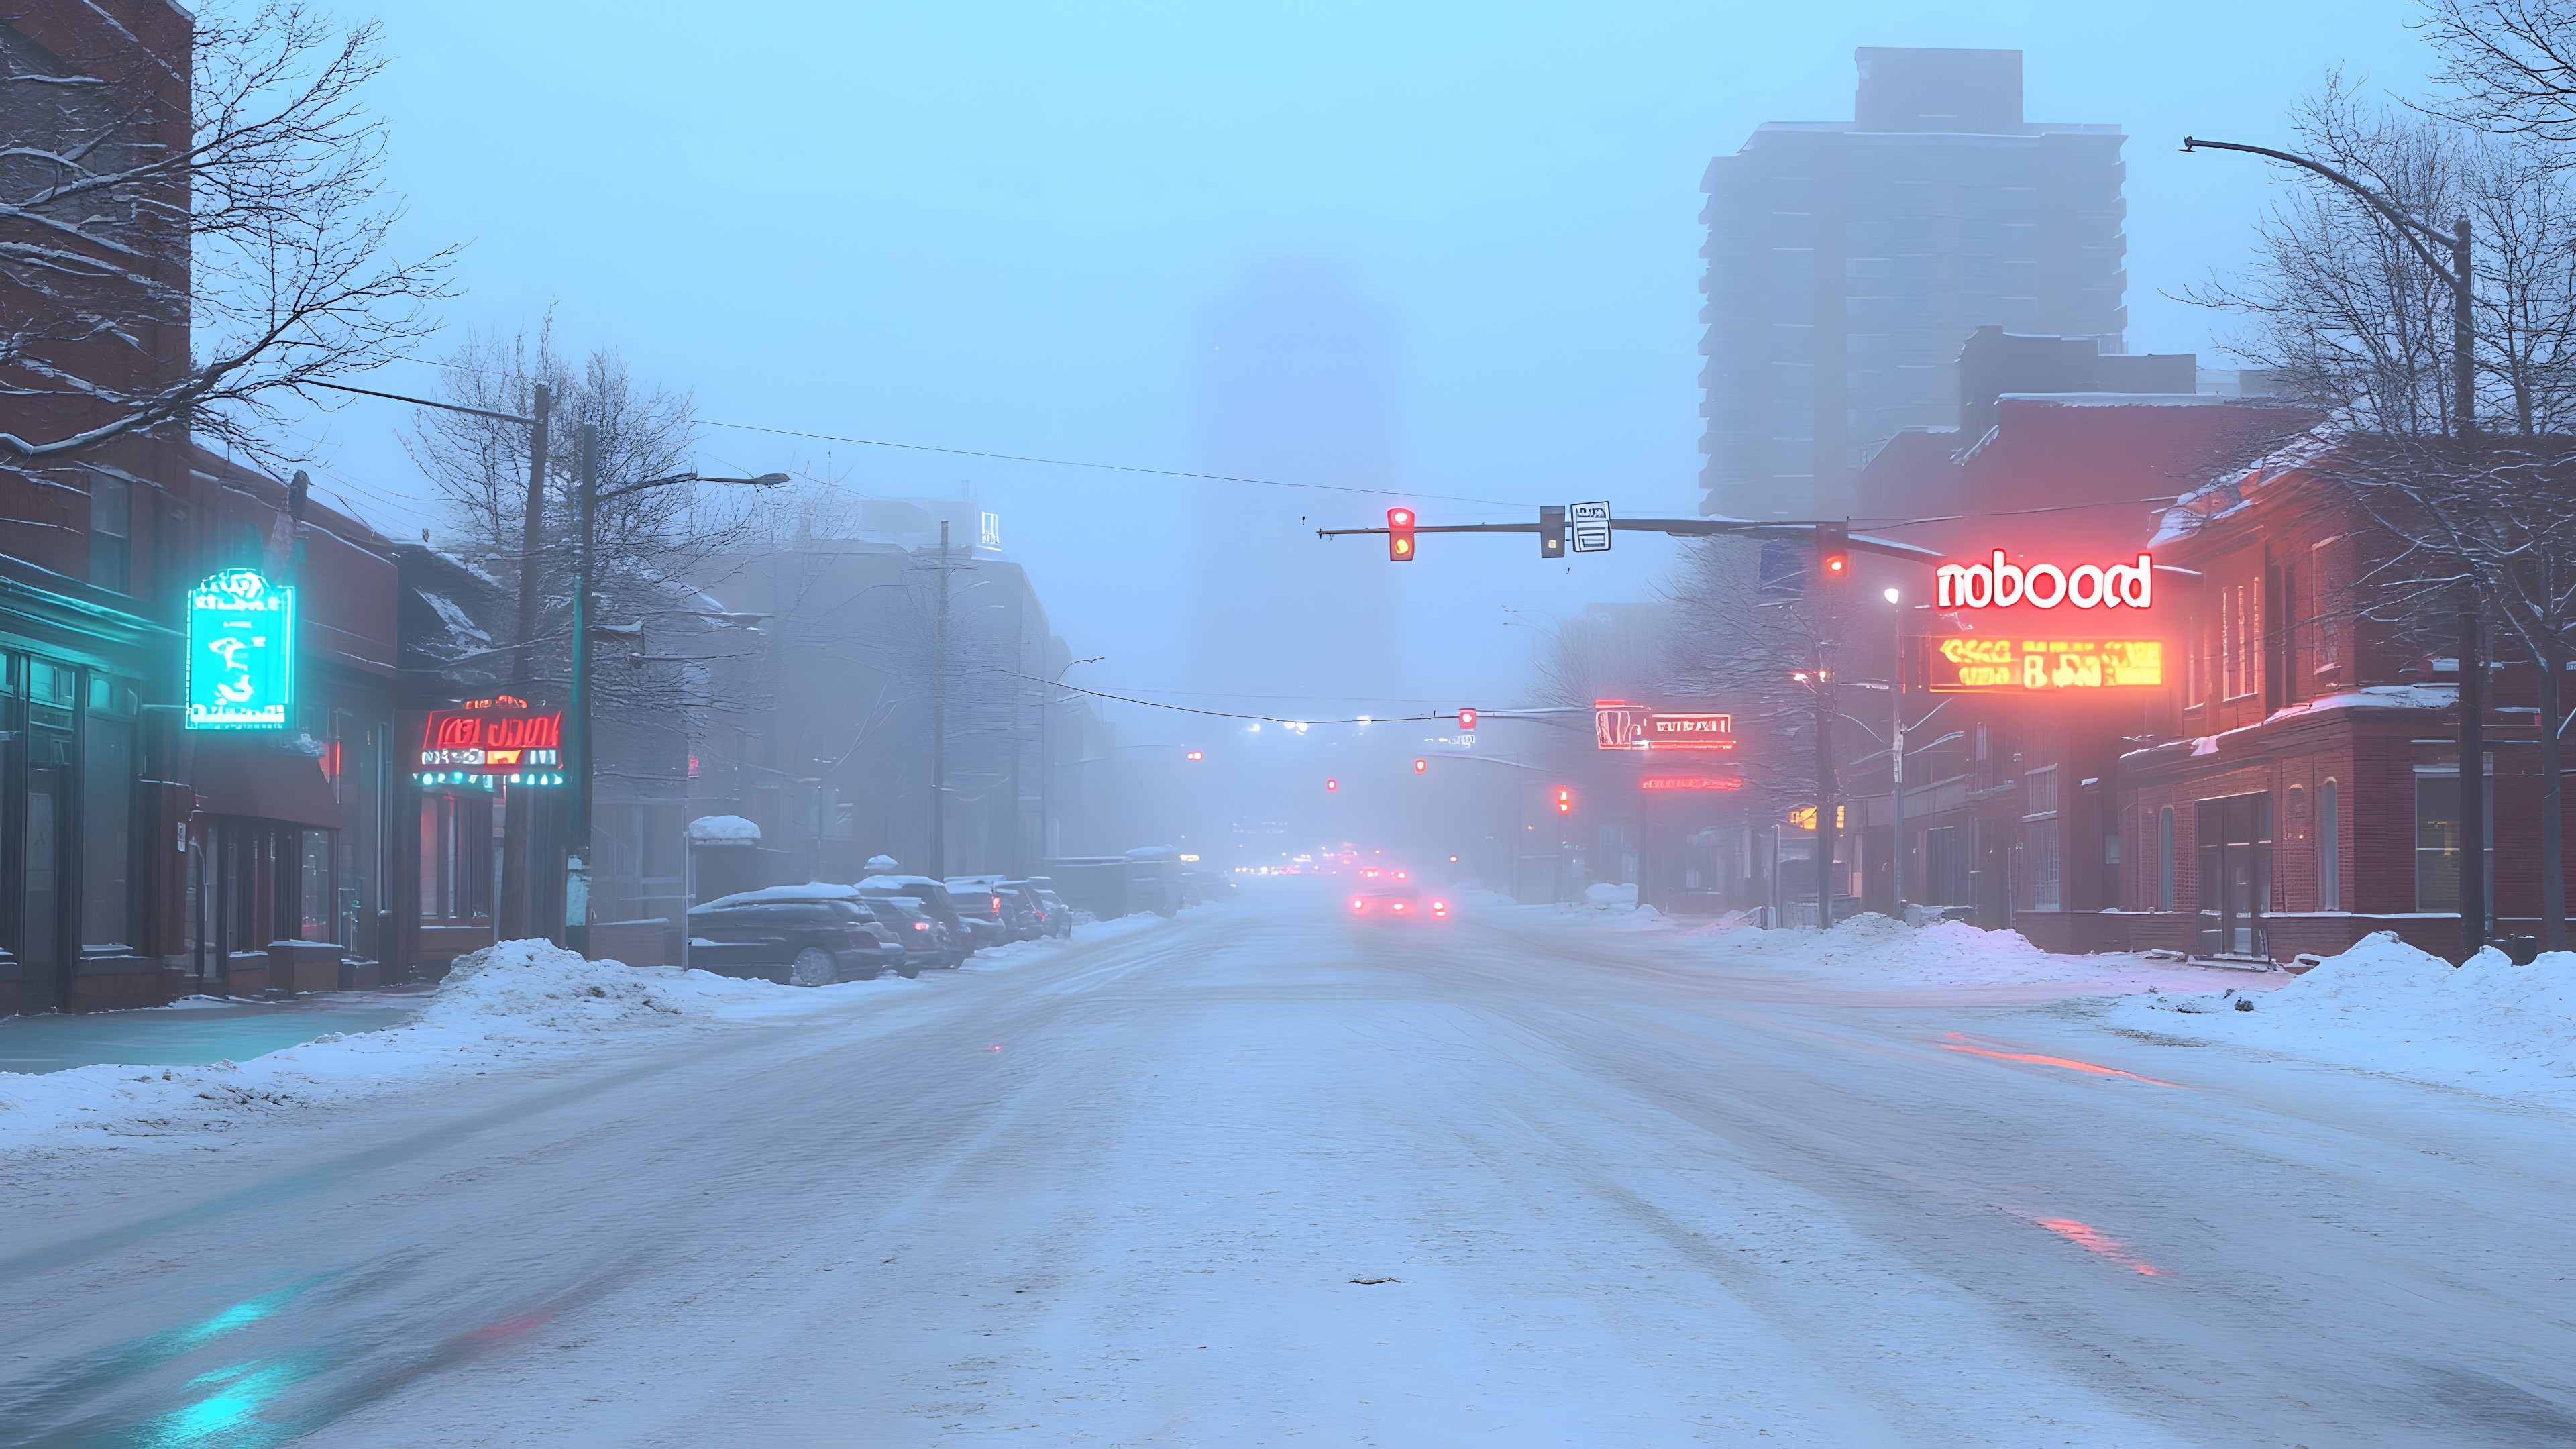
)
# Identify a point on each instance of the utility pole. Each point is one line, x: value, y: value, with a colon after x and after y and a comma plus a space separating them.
x: 939, y: 722
x: 1896, y: 754
x: 519, y: 851
x: 1825, y: 821
x: 577, y: 735
x: 2473, y: 785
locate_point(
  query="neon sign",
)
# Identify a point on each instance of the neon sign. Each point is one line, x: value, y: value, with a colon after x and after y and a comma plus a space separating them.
x: 1998, y: 584
x: 488, y: 742
x: 1690, y: 782
x: 241, y: 652
x: 1620, y: 725
x: 2006, y: 664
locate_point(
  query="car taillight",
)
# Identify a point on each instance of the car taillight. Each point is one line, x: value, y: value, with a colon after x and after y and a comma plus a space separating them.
x: 1359, y: 903
x: 1399, y: 905
x: 1439, y: 908
x: 921, y: 925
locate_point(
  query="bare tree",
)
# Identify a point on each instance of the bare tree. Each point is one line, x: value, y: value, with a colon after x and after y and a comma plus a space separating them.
x: 1753, y: 631
x: 2470, y: 521
x: 241, y: 205
x: 2510, y: 64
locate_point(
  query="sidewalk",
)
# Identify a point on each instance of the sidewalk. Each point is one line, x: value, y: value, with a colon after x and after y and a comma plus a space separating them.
x: 196, y: 1031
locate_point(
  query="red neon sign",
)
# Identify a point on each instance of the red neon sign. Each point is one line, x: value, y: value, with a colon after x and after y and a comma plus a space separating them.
x: 1620, y: 725
x: 1690, y: 782
x: 2001, y: 584
x: 496, y: 735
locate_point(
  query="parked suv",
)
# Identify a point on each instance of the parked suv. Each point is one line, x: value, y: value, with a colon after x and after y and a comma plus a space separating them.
x: 927, y: 943
x: 1029, y: 914
x: 982, y: 911
x: 801, y: 942
x: 932, y: 897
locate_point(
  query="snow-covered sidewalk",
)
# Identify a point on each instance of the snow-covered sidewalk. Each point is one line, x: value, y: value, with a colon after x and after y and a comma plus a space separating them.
x: 518, y: 1006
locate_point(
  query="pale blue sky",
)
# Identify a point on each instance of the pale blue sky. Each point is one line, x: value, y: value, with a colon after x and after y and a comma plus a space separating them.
x: 990, y: 225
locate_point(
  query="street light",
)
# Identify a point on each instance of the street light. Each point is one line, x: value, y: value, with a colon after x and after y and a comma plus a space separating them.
x: 2417, y: 234
x: 577, y: 853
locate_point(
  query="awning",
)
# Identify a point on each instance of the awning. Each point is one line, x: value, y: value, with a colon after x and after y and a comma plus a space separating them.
x: 256, y: 779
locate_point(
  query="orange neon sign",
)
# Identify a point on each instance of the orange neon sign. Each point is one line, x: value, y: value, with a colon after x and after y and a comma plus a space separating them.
x: 2013, y: 664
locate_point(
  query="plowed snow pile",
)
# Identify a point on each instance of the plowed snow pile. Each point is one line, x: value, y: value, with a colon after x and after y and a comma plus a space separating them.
x: 1876, y: 950
x: 517, y: 1003
x: 2387, y: 1006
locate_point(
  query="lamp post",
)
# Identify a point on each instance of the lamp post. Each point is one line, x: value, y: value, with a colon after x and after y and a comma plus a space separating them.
x: 577, y: 755
x: 1896, y: 746
x: 2421, y: 238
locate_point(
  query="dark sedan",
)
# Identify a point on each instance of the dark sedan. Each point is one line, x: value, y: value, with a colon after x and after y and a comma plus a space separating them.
x: 797, y: 942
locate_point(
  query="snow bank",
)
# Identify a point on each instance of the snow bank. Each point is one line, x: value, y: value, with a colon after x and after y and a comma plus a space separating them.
x: 2387, y: 1006
x: 520, y: 1003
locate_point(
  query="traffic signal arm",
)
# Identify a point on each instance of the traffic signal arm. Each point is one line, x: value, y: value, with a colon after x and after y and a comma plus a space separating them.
x: 1683, y: 528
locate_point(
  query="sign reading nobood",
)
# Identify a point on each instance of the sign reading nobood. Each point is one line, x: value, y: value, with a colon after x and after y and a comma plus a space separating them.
x: 241, y: 652
x: 2001, y: 584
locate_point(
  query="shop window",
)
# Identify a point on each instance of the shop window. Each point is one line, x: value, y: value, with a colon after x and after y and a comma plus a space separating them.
x: 52, y: 684
x: 2165, y: 859
x: 1945, y: 867
x: 2438, y: 837
x: 2042, y: 799
x: 107, y: 819
x: 317, y: 918
x: 2039, y: 863
x: 2329, y: 847
x: 111, y: 532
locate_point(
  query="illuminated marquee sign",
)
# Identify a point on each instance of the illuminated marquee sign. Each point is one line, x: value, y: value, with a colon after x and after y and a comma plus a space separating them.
x: 1690, y: 782
x: 241, y: 652
x: 1620, y: 725
x: 2011, y: 664
x: 488, y: 742
x: 2000, y: 584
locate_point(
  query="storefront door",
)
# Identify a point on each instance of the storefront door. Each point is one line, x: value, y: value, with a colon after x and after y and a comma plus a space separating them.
x: 2235, y: 838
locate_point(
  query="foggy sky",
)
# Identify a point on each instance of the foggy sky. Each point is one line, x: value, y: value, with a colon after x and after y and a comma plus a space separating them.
x: 999, y: 227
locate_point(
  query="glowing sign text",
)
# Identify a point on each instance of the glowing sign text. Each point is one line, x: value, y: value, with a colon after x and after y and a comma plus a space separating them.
x: 2012, y: 665
x: 1999, y: 584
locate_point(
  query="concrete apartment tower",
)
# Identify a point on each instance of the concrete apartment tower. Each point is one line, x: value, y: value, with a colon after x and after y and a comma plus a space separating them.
x: 1849, y: 262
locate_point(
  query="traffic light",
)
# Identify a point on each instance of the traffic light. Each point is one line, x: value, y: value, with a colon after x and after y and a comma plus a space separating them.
x: 1399, y: 535
x: 1421, y: 765
x: 1332, y: 785
x: 1551, y: 531
x: 1197, y: 755
x: 1564, y: 800
x: 1833, y: 552
x: 1466, y: 719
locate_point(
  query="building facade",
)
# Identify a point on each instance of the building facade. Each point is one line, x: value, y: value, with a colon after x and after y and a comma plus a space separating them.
x: 1848, y: 261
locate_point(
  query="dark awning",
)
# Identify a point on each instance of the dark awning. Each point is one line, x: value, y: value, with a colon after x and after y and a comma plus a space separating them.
x: 258, y: 780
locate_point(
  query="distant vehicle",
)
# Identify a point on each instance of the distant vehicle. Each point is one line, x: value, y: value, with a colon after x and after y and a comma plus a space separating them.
x: 932, y: 897
x: 1016, y: 913
x: 1059, y: 912
x: 798, y: 940
x: 1036, y: 920
x: 1395, y: 900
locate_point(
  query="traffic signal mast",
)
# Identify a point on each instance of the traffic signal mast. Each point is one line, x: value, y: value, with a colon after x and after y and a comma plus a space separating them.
x: 1834, y: 542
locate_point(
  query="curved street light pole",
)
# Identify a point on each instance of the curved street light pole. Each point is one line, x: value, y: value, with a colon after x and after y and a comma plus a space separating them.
x: 577, y: 753
x: 2422, y: 236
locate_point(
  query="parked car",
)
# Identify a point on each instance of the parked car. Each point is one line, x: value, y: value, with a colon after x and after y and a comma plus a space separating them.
x: 932, y: 897
x: 1061, y: 913
x: 981, y: 909
x: 927, y: 944
x: 1037, y: 920
x: 796, y: 941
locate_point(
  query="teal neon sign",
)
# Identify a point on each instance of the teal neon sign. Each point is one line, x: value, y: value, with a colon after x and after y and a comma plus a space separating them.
x: 241, y: 652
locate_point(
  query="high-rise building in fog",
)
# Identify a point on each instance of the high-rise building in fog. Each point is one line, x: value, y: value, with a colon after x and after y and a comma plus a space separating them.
x: 1849, y: 261
x: 1294, y: 379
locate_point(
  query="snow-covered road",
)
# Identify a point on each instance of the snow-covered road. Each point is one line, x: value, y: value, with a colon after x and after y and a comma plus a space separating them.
x: 1263, y: 1175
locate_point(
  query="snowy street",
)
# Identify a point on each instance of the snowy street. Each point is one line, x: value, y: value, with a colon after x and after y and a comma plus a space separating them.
x: 1264, y: 1174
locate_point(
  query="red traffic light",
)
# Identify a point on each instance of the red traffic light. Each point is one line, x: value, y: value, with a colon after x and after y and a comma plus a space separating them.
x: 1833, y: 552
x: 1836, y: 566
x: 1399, y: 535
x: 1466, y: 719
x: 1421, y: 765
x: 1198, y: 754
x: 1332, y: 785
x: 1564, y: 800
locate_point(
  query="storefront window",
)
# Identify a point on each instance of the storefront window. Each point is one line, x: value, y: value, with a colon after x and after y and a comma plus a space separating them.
x: 2040, y: 860
x: 2438, y: 838
x: 107, y: 810
x: 319, y: 919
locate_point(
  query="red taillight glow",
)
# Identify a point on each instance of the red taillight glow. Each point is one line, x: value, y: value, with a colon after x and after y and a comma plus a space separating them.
x: 1359, y: 903
x: 1439, y: 908
x: 1399, y: 905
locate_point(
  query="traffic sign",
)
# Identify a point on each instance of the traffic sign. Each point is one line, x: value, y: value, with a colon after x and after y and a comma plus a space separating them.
x: 1590, y: 526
